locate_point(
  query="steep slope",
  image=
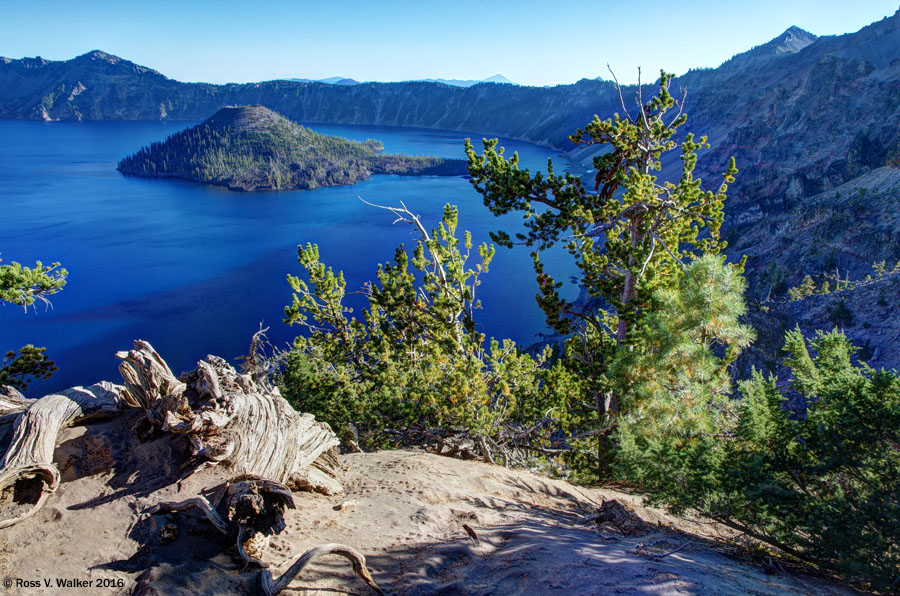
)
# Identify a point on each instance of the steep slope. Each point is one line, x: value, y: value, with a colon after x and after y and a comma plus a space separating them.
x: 38, y: 89
x: 254, y: 148
x: 801, y: 123
x: 801, y: 114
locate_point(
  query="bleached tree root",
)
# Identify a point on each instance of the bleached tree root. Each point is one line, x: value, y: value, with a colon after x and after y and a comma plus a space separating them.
x: 234, y: 420
x: 272, y: 587
x: 28, y: 475
x: 194, y: 503
x: 12, y: 402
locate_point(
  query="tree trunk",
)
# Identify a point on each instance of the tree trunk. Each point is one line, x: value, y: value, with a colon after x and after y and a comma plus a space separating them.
x: 233, y: 420
x: 27, y: 473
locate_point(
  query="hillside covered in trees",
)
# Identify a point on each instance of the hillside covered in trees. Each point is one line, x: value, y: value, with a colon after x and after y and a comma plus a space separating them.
x: 254, y: 148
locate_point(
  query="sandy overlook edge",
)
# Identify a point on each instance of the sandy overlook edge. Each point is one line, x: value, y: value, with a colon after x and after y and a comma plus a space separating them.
x: 404, y: 510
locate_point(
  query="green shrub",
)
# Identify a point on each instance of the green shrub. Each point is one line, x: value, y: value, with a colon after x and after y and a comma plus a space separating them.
x: 841, y: 315
x: 23, y: 286
x: 414, y: 367
x: 819, y: 480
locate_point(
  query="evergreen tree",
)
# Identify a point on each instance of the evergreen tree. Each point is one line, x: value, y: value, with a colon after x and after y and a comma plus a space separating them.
x: 676, y: 382
x: 814, y: 467
x: 23, y: 286
x: 807, y: 286
x: 810, y: 466
x: 414, y: 368
x: 630, y: 236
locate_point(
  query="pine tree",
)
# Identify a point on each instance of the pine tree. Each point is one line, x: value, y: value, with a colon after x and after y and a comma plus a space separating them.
x: 806, y: 289
x: 23, y: 286
x: 630, y: 236
x: 821, y: 478
x: 810, y: 466
x: 414, y: 368
x: 677, y: 385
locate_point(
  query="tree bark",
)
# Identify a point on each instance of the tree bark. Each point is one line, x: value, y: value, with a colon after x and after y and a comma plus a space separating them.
x: 233, y: 420
x: 237, y: 421
x: 27, y: 473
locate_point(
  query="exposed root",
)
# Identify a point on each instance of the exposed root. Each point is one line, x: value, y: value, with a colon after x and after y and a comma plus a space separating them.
x: 28, y: 475
x: 242, y: 543
x: 194, y: 503
x: 24, y: 490
x: 248, y: 509
x: 615, y: 517
x: 237, y: 421
x: 271, y: 587
x: 471, y: 534
x: 641, y: 550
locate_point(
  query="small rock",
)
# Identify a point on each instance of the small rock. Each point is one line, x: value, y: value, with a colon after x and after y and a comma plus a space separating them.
x: 345, y: 506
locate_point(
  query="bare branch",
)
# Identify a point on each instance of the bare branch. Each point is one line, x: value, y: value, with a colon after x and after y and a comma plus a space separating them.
x: 671, y: 254
x: 406, y: 216
x: 680, y: 106
x: 198, y: 502
x: 650, y: 256
x: 271, y: 587
x: 619, y: 89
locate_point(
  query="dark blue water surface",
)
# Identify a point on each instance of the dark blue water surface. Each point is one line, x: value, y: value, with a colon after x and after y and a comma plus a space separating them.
x: 194, y: 269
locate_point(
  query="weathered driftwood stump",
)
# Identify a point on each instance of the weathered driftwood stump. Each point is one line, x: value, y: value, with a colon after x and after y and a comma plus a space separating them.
x: 232, y: 420
x: 236, y: 421
x: 28, y: 475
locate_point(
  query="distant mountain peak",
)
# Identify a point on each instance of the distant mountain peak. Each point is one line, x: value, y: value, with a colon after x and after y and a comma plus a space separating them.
x: 100, y: 55
x: 792, y: 40
x: 339, y: 81
x: 328, y: 81
x: 498, y: 78
x: 100, y: 61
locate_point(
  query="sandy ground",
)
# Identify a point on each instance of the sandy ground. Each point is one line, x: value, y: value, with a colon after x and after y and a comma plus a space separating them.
x: 404, y: 510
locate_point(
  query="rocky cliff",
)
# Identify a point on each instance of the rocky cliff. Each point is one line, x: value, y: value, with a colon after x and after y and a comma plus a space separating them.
x: 801, y: 114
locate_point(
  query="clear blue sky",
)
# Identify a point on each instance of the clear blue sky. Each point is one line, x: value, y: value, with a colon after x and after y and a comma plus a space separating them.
x: 531, y: 42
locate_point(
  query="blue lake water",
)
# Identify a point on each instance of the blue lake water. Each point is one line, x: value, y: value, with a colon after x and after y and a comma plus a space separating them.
x: 194, y: 269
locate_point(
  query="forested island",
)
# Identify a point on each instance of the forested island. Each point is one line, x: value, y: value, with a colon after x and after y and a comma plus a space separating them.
x: 253, y: 148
